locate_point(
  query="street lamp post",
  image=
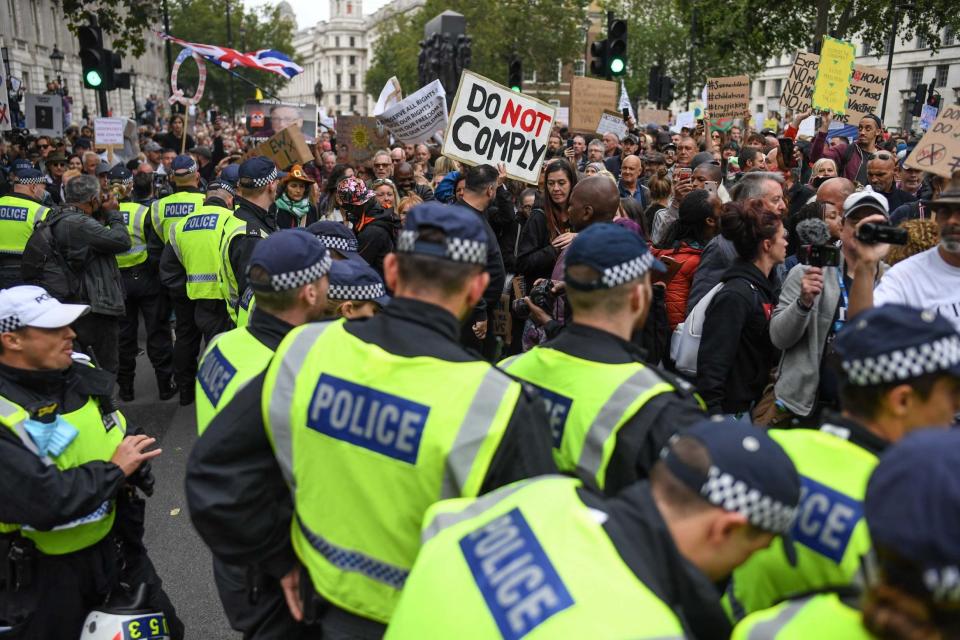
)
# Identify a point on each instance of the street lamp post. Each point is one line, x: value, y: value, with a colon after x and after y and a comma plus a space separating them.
x: 133, y: 91
x: 56, y: 59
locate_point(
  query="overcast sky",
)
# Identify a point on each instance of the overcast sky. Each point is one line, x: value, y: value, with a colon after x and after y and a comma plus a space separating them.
x: 309, y: 12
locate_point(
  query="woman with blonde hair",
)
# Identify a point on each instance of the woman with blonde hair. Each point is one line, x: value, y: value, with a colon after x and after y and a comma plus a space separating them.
x: 823, y: 168
x: 406, y: 203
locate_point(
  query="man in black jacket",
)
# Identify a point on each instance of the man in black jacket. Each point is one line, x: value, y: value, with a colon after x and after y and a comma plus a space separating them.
x: 376, y: 227
x: 89, y: 235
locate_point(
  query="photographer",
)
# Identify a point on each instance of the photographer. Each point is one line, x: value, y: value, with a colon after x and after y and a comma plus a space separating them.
x: 813, y: 307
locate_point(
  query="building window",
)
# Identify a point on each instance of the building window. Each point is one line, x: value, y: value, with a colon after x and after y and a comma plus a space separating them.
x: 34, y: 4
x: 555, y: 103
x: 949, y: 35
x: 336, y: 41
x: 353, y: 103
x: 339, y: 81
x: 349, y: 9
x: 761, y: 87
x: 12, y: 12
x: 777, y: 86
x: 559, y: 70
x: 353, y: 81
x: 915, y: 76
x: 337, y: 99
x: 579, y: 67
x: 921, y: 41
x: 943, y: 71
x: 353, y: 42
x: 336, y: 60
x: 529, y: 75
x: 353, y: 60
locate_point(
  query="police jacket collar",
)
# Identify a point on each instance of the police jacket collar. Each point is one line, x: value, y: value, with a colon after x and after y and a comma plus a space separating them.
x: 852, y: 431
x: 597, y: 345
x: 266, y: 217
x: 70, y: 387
x: 186, y: 189
x: 641, y: 537
x: 425, y: 314
x: 24, y: 196
x: 268, y: 328
x: 215, y: 202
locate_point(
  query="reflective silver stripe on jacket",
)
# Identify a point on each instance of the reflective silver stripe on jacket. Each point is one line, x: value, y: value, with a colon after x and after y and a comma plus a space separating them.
x: 282, y: 397
x: 137, y: 232
x: 591, y: 457
x: 99, y: 514
x: 172, y: 241
x: 201, y: 277
x: 446, y: 520
x: 769, y: 629
x: 9, y: 409
x: 473, y: 431
x: 350, y: 560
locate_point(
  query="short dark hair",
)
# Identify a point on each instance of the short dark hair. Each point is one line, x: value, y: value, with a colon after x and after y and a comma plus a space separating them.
x: 748, y: 154
x: 480, y: 178
x: 746, y: 225
x: 864, y: 402
x: 143, y: 185
x: 669, y: 488
x: 434, y: 274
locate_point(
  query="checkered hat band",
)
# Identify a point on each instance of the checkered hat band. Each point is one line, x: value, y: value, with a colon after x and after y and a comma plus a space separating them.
x: 356, y: 291
x: 34, y: 180
x: 456, y: 249
x: 904, y: 364
x: 10, y: 323
x: 182, y: 172
x: 256, y: 183
x: 730, y: 494
x: 338, y: 243
x: 294, y: 279
x: 943, y: 583
x: 626, y: 271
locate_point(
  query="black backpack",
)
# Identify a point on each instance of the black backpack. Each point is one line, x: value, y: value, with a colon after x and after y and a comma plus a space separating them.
x: 44, y: 265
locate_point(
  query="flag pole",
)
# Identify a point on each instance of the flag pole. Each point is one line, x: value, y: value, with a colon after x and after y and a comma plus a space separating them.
x: 249, y: 82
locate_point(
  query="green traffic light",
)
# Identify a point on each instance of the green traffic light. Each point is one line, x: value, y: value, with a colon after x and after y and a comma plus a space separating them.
x: 617, y: 65
x: 93, y: 78
x: 515, y: 88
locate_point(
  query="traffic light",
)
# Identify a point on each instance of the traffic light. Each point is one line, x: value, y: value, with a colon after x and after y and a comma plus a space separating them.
x: 919, y: 98
x: 113, y: 61
x: 121, y: 81
x: 598, y: 58
x: 94, y: 61
x: 933, y: 98
x: 666, y: 90
x: 653, y: 84
x: 515, y: 74
x: 617, y: 47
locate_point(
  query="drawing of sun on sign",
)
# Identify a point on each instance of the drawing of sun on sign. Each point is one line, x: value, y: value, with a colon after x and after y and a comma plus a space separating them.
x: 932, y: 154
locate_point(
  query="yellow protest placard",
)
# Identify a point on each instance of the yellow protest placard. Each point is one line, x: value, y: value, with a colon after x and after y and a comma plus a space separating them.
x: 832, y: 86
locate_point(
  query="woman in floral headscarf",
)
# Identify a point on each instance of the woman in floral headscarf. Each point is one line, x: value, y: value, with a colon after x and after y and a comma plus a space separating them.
x: 296, y: 206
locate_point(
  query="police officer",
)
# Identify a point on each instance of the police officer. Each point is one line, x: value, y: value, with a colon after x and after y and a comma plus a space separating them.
x: 189, y: 267
x: 69, y: 459
x: 900, y: 372
x: 550, y: 558
x: 185, y: 199
x: 19, y: 212
x: 356, y: 290
x: 255, y: 218
x: 392, y: 437
x: 624, y: 411
x: 253, y: 601
x: 338, y: 238
x: 912, y: 507
x: 143, y: 294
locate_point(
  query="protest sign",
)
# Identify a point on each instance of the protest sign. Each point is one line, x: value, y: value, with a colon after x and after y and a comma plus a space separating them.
x: 808, y: 127
x: 588, y: 99
x: 108, y: 131
x: 358, y: 138
x: 490, y: 124
x: 939, y: 149
x: 654, y: 116
x: 728, y: 97
x: 390, y: 95
x: 44, y: 114
x: 866, y: 88
x: 834, y: 73
x: 266, y: 117
x: 927, y: 116
x: 286, y: 147
x: 684, y: 119
x: 612, y: 122
x: 563, y: 116
x: 6, y: 115
x: 417, y: 117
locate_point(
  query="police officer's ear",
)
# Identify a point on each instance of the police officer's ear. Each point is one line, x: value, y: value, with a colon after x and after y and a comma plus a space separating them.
x: 477, y: 285
x: 390, y: 271
x: 901, y: 401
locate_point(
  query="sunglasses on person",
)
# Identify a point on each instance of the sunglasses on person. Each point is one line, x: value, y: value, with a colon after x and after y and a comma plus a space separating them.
x: 382, y: 165
x: 56, y: 164
x: 382, y: 181
x: 44, y: 146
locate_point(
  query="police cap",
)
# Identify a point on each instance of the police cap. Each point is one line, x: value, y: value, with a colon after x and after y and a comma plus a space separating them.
x: 335, y: 235
x: 231, y: 174
x: 292, y: 258
x: 257, y: 172
x: 119, y: 173
x: 618, y: 255
x: 896, y: 343
x: 28, y: 175
x: 356, y: 280
x: 464, y: 235
x: 183, y: 165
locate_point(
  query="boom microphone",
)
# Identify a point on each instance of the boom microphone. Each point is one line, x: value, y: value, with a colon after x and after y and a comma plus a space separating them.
x: 813, y: 231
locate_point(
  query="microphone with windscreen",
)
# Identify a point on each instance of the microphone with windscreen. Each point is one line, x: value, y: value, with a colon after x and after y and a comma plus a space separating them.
x: 815, y: 247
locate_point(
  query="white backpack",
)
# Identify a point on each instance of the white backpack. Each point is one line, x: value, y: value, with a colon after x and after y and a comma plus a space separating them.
x: 685, y: 341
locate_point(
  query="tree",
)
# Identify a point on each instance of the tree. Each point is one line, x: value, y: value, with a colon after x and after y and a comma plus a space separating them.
x: 204, y: 21
x: 124, y: 20
x: 541, y: 32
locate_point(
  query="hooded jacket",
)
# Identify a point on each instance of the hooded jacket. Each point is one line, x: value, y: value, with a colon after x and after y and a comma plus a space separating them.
x: 736, y: 354
x: 376, y: 232
x: 678, y: 288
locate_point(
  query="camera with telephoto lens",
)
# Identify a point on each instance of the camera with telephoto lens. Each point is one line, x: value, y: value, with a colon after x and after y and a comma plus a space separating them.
x: 872, y: 233
x: 819, y: 255
x: 540, y: 295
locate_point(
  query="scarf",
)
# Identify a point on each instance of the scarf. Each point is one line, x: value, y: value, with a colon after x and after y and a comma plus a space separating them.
x: 297, y: 209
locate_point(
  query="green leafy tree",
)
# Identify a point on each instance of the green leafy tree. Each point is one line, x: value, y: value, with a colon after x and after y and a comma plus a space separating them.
x: 205, y: 21
x: 123, y: 20
x: 539, y: 31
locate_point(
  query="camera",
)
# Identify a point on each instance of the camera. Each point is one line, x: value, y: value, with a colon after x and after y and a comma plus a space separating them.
x: 819, y: 255
x: 872, y: 233
x: 539, y: 295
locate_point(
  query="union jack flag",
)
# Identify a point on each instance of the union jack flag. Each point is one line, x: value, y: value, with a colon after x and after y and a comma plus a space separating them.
x: 265, y: 59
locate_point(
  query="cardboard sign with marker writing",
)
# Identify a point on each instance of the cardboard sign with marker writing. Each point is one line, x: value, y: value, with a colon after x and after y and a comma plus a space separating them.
x: 866, y: 88
x: 613, y: 122
x: 286, y: 147
x: 728, y: 97
x: 589, y: 98
x: 939, y: 149
x: 359, y: 137
x: 656, y: 116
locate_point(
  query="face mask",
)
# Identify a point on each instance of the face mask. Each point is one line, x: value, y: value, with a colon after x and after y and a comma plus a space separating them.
x: 53, y: 438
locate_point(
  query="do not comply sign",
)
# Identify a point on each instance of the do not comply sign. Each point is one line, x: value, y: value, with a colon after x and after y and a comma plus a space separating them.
x: 490, y: 124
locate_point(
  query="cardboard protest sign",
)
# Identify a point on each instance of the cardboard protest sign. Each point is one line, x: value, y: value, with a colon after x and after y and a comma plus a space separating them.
x: 728, y: 97
x: 834, y: 74
x: 611, y: 121
x: 417, y: 117
x: 285, y: 148
x: 927, y: 116
x: 44, y: 114
x: 359, y: 138
x: 655, y: 116
x: 490, y: 124
x: 684, y: 119
x: 588, y: 99
x: 266, y: 117
x: 866, y: 88
x: 108, y: 131
x: 939, y: 149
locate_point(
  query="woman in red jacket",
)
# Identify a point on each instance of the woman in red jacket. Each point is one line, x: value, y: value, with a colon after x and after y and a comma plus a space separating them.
x: 684, y: 242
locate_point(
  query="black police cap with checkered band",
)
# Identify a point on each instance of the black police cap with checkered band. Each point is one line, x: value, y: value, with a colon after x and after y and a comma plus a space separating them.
x: 465, y: 238
x: 292, y: 258
x: 617, y: 254
x: 896, y: 343
x: 258, y: 172
x: 335, y: 235
x: 354, y: 279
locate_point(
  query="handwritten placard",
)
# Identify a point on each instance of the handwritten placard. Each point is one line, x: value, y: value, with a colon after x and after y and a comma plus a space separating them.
x: 939, y: 149
x: 285, y: 148
x: 612, y: 122
x: 866, y: 88
x: 589, y: 98
x: 834, y: 75
x: 728, y: 97
x: 654, y: 116
x: 108, y: 131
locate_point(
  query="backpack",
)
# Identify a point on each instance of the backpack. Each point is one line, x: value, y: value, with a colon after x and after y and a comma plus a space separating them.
x: 44, y: 265
x: 685, y: 341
